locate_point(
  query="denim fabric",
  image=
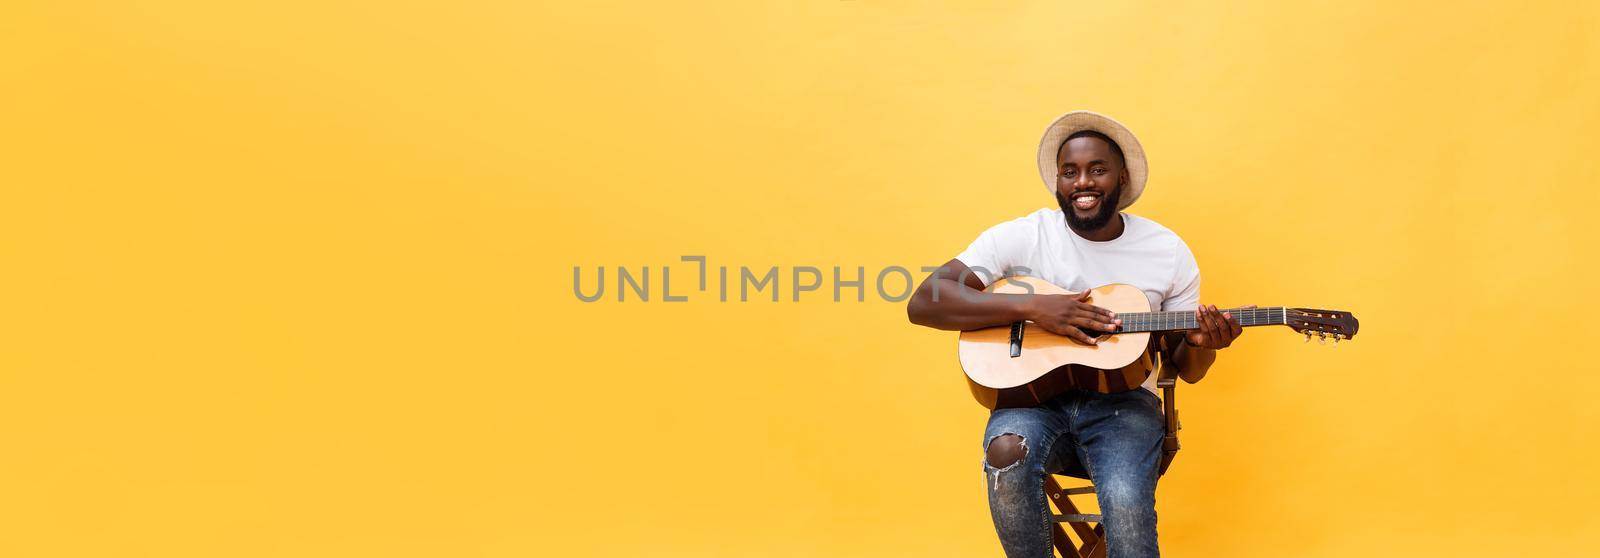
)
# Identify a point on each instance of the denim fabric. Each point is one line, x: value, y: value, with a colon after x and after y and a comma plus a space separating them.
x: 1112, y: 439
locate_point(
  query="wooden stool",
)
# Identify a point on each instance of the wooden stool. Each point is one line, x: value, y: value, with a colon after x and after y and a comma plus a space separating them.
x: 1090, y: 533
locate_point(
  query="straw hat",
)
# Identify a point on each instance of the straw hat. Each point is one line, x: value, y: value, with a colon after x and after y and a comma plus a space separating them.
x: 1079, y: 120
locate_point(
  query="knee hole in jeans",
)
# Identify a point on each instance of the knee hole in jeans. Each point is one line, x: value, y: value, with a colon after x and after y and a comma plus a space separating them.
x: 1006, y: 450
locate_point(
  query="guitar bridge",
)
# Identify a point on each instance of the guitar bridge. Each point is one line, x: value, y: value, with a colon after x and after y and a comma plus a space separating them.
x: 1016, y: 339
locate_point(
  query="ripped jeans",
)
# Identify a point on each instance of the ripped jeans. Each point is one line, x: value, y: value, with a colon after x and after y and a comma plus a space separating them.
x: 1113, y: 439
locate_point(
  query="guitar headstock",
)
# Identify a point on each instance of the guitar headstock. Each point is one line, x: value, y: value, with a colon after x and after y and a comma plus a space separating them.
x: 1337, y: 324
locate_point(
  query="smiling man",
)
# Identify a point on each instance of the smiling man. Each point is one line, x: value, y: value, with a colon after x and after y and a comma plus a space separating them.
x: 1095, y: 168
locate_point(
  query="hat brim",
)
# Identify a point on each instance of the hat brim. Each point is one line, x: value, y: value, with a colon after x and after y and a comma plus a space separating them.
x: 1080, y: 120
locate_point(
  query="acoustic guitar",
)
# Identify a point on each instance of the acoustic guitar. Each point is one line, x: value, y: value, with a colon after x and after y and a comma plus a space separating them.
x: 1024, y: 365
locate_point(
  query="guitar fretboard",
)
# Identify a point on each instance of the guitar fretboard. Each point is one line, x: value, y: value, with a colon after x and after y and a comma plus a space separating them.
x: 1134, y: 322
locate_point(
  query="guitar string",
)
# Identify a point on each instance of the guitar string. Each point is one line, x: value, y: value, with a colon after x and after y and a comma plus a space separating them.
x: 1180, y: 318
x: 1242, y: 312
x: 1179, y: 314
x: 1174, y: 319
x: 1183, y: 318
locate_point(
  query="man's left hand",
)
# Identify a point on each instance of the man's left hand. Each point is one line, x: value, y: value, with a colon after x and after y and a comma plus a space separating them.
x: 1217, y: 329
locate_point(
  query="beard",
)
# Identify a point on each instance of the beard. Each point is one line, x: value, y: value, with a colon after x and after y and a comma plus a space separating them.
x: 1102, y: 216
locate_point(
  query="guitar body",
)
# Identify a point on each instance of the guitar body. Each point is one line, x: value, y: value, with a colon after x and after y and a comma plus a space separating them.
x: 1023, y: 365
x: 1049, y: 364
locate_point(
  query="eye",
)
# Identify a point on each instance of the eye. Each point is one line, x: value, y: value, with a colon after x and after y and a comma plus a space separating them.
x: 1099, y: 170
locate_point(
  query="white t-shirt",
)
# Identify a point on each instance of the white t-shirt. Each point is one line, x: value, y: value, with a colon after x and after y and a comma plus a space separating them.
x: 1146, y: 255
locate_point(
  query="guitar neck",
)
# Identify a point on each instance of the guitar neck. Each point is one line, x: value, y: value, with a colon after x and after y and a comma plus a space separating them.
x: 1134, y: 322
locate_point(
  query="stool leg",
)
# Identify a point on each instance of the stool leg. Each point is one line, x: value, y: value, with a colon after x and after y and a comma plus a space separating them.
x: 1064, y: 543
x: 1098, y: 550
x: 1093, y: 538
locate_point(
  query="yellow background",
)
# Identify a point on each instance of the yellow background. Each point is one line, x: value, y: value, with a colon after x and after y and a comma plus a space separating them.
x: 295, y: 278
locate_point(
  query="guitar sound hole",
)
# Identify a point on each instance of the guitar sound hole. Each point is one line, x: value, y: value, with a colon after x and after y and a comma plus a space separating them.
x: 1096, y: 335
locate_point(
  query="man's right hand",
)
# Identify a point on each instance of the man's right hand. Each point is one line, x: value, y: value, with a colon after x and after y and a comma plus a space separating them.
x: 1064, y: 314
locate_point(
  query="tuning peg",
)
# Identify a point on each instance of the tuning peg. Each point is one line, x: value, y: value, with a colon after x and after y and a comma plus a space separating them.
x: 1336, y: 338
x: 1322, y: 338
x: 1308, y: 337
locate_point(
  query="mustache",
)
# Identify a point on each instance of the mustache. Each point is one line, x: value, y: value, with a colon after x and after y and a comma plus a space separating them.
x: 1113, y: 196
x: 1109, y: 203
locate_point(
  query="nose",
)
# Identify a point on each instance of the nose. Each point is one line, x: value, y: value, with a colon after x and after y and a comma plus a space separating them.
x: 1081, y: 182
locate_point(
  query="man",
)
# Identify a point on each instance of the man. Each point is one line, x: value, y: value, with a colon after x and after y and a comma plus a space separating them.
x: 1095, y: 167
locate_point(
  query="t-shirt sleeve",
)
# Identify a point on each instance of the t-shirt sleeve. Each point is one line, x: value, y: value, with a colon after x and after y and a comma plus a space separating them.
x: 992, y: 253
x: 1184, y: 294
